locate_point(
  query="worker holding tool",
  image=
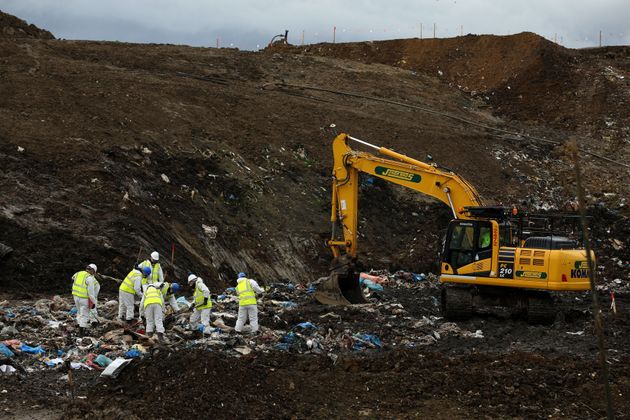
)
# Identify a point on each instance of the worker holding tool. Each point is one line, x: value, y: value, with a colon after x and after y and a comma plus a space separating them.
x: 93, y: 314
x: 202, y: 302
x: 168, y: 292
x: 129, y: 288
x: 153, y: 304
x: 246, y: 290
x: 83, y: 292
x: 157, y: 275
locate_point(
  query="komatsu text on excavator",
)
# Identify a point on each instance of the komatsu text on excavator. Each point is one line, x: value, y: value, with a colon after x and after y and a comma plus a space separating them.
x: 487, y: 258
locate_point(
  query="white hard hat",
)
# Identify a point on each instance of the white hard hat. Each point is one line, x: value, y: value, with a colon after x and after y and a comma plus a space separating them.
x: 191, y: 278
x: 155, y: 256
x: 92, y: 266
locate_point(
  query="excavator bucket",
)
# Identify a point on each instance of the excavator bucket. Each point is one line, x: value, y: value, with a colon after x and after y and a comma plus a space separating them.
x: 342, y: 286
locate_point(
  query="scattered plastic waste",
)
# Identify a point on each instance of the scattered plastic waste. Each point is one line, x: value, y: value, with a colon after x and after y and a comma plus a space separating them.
x: 7, y: 369
x: 370, y: 284
x: 103, y: 360
x: 133, y: 353
x: 54, y: 362
x: 25, y: 348
x: 115, y: 367
x: 73, y: 311
x: 5, y: 351
x: 306, y: 326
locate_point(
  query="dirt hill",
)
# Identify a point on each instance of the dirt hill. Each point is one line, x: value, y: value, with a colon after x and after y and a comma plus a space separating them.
x: 522, y: 76
x: 111, y: 150
x: 13, y: 27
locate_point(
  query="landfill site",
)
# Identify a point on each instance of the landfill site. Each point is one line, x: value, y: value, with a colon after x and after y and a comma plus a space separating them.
x: 212, y: 166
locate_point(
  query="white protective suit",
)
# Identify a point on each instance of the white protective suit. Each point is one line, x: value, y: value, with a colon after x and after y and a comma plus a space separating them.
x: 248, y: 311
x: 82, y: 304
x: 204, y: 314
x: 154, y: 312
x: 126, y: 300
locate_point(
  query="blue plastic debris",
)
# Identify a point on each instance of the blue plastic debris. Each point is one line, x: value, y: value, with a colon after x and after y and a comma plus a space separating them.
x: 9, y: 314
x: 25, y: 348
x: 365, y: 340
x: 60, y: 352
x: 73, y: 311
x: 282, y: 346
x: 419, y: 277
x: 306, y: 326
x: 231, y: 289
x: 289, y: 338
x: 5, y: 351
x: 133, y: 353
x: 288, y: 305
x: 200, y: 327
x: 370, y: 284
x: 311, y: 289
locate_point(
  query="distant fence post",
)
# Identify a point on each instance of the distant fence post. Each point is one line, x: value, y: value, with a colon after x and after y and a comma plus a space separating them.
x: 217, y: 42
x: 600, y: 39
x: 302, y: 41
x: 434, y: 31
x: 420, y: 30
x: 334, y: 33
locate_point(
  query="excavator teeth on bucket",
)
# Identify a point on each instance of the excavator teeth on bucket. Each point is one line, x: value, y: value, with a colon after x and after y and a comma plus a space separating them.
x: 342, y: 287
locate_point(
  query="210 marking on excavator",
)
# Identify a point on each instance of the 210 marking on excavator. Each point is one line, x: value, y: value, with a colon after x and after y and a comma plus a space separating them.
x: 398, y: 174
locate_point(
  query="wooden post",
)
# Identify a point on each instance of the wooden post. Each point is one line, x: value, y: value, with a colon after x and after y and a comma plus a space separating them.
x: 461, y: 30
x: 217, y: 42
x: 434, y: 31
x: 334, y: 33
x: 600, y: 39
x: 420, y: 30
x: 302, y: 42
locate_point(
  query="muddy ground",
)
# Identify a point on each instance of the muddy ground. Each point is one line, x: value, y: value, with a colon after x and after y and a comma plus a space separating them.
x: 111, y: 150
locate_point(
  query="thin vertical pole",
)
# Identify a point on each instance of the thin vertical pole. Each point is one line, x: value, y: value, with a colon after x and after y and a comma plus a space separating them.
x: 434, y: 31
x: 217, y: 42
x: 420, y: 30
x: 555, y: 37
x: 334, y: 33
x: 461, y: 30
x: 302, y: 41
x: 600, y: 38
x: 597, y: 314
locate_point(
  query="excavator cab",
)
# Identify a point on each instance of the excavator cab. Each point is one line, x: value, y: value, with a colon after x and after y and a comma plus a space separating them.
x: 470, y: 246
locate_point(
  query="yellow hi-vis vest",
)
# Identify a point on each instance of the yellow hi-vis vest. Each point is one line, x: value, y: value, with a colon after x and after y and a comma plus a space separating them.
x: 165, y: 293
x: 153, y: 295
x: 79, y: 287
x: 246, y: 294
x: 130, y: 281
x: 198, y: 298
x: 155, y: 272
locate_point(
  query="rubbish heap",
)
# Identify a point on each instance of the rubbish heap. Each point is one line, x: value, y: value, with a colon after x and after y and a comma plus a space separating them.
x: 39, y: 335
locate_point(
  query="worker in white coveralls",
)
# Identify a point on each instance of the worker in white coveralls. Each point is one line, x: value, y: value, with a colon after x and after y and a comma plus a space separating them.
x: 129, y: 288
x: 202, y: 302
x: 153, y: 304
x: 93, y: 314
x: 83, y: 292
x: 246, y: 290
x: 157, y: 275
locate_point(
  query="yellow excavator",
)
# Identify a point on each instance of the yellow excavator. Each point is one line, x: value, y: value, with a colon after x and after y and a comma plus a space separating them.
x: 487, y: 258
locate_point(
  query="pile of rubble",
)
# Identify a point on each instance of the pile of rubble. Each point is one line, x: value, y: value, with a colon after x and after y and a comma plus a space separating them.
x: 40, y: 335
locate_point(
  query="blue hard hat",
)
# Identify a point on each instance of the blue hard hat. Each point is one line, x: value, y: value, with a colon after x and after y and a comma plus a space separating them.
x: 175, y: 287
x: 241, y: 275
x: 146, y: 271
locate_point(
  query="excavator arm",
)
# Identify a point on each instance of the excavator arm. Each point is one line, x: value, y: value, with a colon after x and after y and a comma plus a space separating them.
x: 443, y: 185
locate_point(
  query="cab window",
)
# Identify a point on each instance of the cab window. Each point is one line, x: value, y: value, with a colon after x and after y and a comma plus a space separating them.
x: 485, y: 237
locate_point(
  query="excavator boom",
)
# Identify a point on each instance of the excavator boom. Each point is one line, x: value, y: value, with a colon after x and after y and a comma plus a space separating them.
x: 445, y: 186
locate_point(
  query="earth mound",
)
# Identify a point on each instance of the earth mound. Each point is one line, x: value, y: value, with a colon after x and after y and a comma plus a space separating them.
x: 14, y: 27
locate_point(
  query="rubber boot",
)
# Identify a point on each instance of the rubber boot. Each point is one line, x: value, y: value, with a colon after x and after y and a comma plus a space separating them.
x: 160, y: 337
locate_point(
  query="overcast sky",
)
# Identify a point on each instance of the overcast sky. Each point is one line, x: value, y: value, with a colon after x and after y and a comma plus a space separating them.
x: 250, y: 25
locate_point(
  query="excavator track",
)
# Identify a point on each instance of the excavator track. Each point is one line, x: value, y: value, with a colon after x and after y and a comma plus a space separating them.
x: 540, y: 309
x: 457, y: 303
